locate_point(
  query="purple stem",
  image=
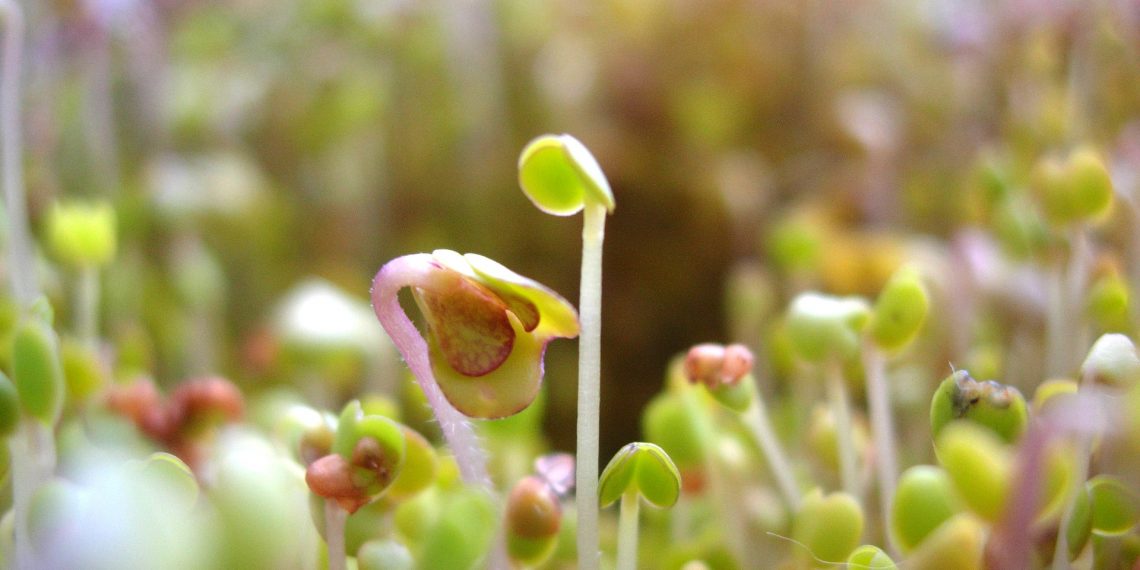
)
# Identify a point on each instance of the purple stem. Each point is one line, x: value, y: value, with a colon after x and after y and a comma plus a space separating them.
x: 408, y: 271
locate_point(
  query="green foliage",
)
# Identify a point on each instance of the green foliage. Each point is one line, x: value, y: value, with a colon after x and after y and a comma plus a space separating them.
x: 461, y: 533
x: 979, y: 465
x: 9, y: 407
x: 900, y: 310
x: 560, y: 176
x: 1114, y: 506
x: 36, y: 369
x: 82, y: 235
x: 923, y: 501
x: 829, y: 526
x: 822, y: 327
x: 869, y: 557
x: 1077, y: 188
x: 384, y: 555
x: 955, y: 545
x: 644, y: 469
x: 995, y: 406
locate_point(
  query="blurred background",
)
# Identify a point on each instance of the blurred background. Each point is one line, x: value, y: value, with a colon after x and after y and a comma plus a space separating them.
x: 250, y: 146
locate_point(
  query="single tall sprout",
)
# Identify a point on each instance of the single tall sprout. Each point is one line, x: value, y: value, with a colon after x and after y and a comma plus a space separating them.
x: 561, y: 177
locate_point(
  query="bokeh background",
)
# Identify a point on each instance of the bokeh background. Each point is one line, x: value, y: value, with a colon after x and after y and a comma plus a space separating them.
x: 250, y: 145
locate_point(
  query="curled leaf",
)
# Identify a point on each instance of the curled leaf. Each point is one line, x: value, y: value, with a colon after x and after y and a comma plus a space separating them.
x: 641, y: 468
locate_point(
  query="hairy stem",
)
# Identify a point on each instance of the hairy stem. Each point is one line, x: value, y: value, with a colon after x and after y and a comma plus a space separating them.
x: 882, y: 428
x: 335, y: 519
x: 459, y: 434
x: 21, y: 270
x: 627, y: 532
x: 761, y: 427
x: 844, y: 439
x: 589, y: 380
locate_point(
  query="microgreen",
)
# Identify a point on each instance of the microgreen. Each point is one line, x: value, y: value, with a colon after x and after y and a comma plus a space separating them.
x: 637, y: 471
x: 830, y: 526
x: 995, y: 406
x: 561, y: 177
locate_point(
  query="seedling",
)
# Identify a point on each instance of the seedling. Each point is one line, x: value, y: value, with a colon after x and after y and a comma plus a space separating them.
x: 561, y: 177
x: 995, y: 406
x: 638, y: 470
x: 830, y: 526
x: 826, y: 331
x: 533, y: 520
x: 82, y: 237
x: 925, y: 499
x: 895, y: 321
x: 487, y: 331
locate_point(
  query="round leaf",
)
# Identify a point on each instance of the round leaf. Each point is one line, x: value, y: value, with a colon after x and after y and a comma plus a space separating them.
x: 641, y: 468
x: 829, y: 526
x: 1115, y: 507
x: 558, y: 174
x: 924, y: 500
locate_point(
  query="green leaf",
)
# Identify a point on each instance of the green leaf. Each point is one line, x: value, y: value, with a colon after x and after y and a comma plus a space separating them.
x: 461, y: 535
x: 559, y: 175
x: 900, y: 310
x: 995, y: 406
x: 37, y: 371
x: 555, y: 316
x: 82, y: 234
x: 829, y: 526
x: 822, y: 327
x: 9, y: 407
x: 955, y: 545
x: 979, y: 465
x: 384, y: 554
x: 641, y: 468
x: 1115, y: 507
x: 418, y: 471
x: 924, y: 500
x: 869, y: 557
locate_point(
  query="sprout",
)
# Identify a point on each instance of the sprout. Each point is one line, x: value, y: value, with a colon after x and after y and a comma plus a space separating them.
x: 1112, y: 360
x: 924, y: 500
x: 560, y: 176
x: 829, y: 526
x: 9, y: 407
x: 533, y: 519
x: 979, y: 465
x: 955, y: 545
x: 995, y: 406
x: 488, y: 328
x: 36, y: 368
x: 868, y: 557
x: 1074, y: 189
x: 827, y: 330
x: 82, y: 235
x: 638, y: 470
x: 384, y: 555
x: 1115, y: 508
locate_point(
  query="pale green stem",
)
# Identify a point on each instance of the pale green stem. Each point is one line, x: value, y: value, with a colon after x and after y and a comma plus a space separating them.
x: 882, y: 428
x: 589, y: 380
x: 761, y: 427
x: 335, y: 519
x: 1080, y: 258
x: 722, y: 496
x: 844, y: 438
x: 1056, y: 353
x: 627, y: 531
x: 21, y: 268
x: 87, y: 305
x: 33, y: 463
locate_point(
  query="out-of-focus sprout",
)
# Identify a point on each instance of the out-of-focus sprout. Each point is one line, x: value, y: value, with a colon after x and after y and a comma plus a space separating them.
x: 979, y: 465
x: 533, y: 520
x: 826, y: 331
x: 561, y: 177
x: 868, y: 557
x: 925, y: 499
x: 998, y: 407
x: 830, y: 526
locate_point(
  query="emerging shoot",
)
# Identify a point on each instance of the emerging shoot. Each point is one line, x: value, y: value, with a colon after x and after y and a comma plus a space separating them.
x: 560, y: 176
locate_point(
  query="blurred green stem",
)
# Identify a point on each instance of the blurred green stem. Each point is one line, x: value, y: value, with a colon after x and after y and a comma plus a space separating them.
x: 22, y: 266
x: 627, y: 531
x: 87, y: 305
x: 589, y: 380
x: 335, y: 518
x: 1055, y: 320
x: 33, y: 463
x: 882, y: 428
x: 844, y: 439
x: 761, y: 428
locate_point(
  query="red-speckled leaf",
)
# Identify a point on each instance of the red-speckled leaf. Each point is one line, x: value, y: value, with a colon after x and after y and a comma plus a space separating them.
x: 469, y: 323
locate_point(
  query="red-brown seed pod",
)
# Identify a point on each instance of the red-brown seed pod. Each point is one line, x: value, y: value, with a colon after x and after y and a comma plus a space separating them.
x: 533, y: 510
x: 703, y: 364
x: 738, y: 361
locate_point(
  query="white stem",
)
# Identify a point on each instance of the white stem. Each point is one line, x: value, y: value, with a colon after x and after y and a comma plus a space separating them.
x: 335, y: 518
x: 457, y: 431
x: 21, y: 268
x: 87, y: 305
x: 627, y: 532
x: 589, y: 380
x: 23, y: 485
x: 1056, y: 355
x: 882, y: 427
x: 1080, y: 258
x: 844, y: 439
x: 757, y: 419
